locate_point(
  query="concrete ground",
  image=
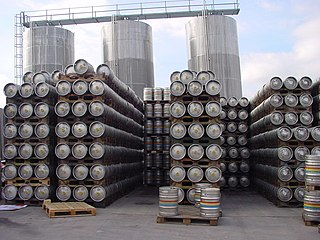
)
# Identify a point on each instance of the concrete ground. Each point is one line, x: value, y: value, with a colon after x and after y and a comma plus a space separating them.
x: 246, y: 216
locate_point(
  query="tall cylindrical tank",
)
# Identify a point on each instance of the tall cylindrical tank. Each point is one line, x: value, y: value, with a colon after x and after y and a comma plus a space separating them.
x: 47, y: 48
x: 213, y: 45
x: 127, y: 49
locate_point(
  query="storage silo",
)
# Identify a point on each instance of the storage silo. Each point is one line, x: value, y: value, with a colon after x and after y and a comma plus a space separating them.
x: 213, y: 45
x: 47, y: 48
x: 127, y: 49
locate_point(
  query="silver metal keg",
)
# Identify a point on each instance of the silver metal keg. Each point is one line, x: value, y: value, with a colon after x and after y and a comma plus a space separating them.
x: 79, y: 129
x: 25, y: 171
x: 9, y: 171
x: 80, y: 193
x: 79, y: 150
x: 177, y: 173
x: 79, y: 108
x: 195, y: 174
x: 26, y: 90
x: 25, y: 192
x: 63, y: 171
x: 195, y: 88
x: 41, y: 150
x: 195, y: 109
x: 42, y: 130
x: 177, y: 151
x: 196, y: 130
x: 168, y: 201
x: 213, y: 87
x: 63, y: 88
x: 62, y: 151
x: 177, y: 109
x: 62, y: 108
x: 25, y: 151
x: 63, y: 193
x: 213, y: 108
x: 213, y: 174
x: 42, y: 192
x: 80, y: 87
x: 210, y: 202
x: 25, y: 110
x: 42, y: 110
x: 25, y: 130
x: 41, y: 171
x: 213, y: 152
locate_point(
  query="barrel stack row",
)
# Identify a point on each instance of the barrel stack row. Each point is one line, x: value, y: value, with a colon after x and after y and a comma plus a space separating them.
x: 156, y: 136
x: 195, y: 132
x: 99, y: 136
x: 28, y: 150
x: 235, y: 165
x: 281, y: 135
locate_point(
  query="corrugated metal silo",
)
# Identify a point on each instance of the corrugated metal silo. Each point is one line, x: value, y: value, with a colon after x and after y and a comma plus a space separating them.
x: 47, y: 48
x: 2, y: 122
x: 213, y: 45
x: 127, y: 49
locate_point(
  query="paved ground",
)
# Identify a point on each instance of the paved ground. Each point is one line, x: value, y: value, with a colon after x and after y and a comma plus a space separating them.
x: 246, y: 216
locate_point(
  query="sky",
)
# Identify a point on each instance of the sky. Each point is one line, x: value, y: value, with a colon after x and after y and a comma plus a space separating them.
x: 276, y: 38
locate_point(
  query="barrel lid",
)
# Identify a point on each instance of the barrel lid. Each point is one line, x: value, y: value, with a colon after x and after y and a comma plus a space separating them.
x: 25, y: 130
x: 41, y: 110
x: 306, y: 118
x: 97, y: 87
x: 244, y: 152
x: 79, y: 129
x: 25, y: 192
x: 244, y: 167
x: 315, y: 151
x: 231, y: 127
x: 104, y: 69
x: 177, y: 88
x: 186, y: 76
x: 291, y: 100
x: 79, y: 150
x: 41, y: 130
x: 299, y: 173
x: 233, y: 152
x: 62, y: 129
x: 213, y: 174
x: 178, y: 130
x: 9, y: 192
x: 196, y: 130
x: 25, y: 110
x: 80, y: 87
x: 96, y: 108
x: 10, y: 90
x: 177, y: 109
x: 290, y: 83
x: 191, y: 195
x: 62, y: 151
x: 62, y: 108
x: 96, y: 129
x: 233, y: 167
x: 80, y: 193
x: 301, y: 152
x: 284, y: 194
x: 25, y: 151
x: 276, y: 83
x: 41, y: 150
x: 305, y: 83
x: 63, y: 171
x: 97, y: 172
x: 9, y: 171
x: 81, y: 66
x: 223, y: 167
x: 42, y: 89
x: 55, y: 75
x: 41, y: 171
x: 244, y: 181
x: 181, y: 194
x: 25, y: 171
x: 285, y: 173
x: 27, y: 77
x: 203, y: 77
x: 195, y: 174
x: 63, y: 193
x: 276, y: 118
x: 214, y: 130
x: 315, y: 133
x: 223, y: 101
x: 223, y: 114
x: 9, y: 151
x: 10, y: 110
x: 177, y: 151
x: 195, y: 88
x: 79, y: 108
x: 222, y: 181
x: 42, y: 192
x: 231, y: 140
x: 177, y: 173
x: 97, y: 193
x: 306, y: 100
x: 244, y: 102
x: 276, y: 100
x: 285, y: 153
x: 213, y: 108
x: 284, y: 133
x: 63, y: 87
x: 213, y: 87
x: 175, y: 76
x: 301, y: 133
x: 195, y: 109
x: 232, y: 181
x: 232, y: 101
x: 96, y: 150
x: 291, y: 118
x: 299, y: 193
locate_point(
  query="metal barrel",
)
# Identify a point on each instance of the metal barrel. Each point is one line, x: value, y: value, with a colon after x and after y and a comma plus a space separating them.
x: 213, y: 152
x: 266, y: 123
x: 311, y: 205
x: 166, y: 110
x: 195, y: 109
x: 27, y: 77
x: 291, y: 100
x: 301, y: 133
x: 117, y: 136
x: 266, y: 107
x: 195, y: 88
x: 284, y: 194
x: 147, y: 94
x: 62, y: 129
x: 79, y: 150
x: 178, y: 151
x: 166, y: 161
x: 62, y: 108
x: 244, y: 102
x: 186, y: 76
x: 80, y: 193
x: 166, y: 94
x: 231, y: 127
x: 223, y: 114
x: 149, y: 177
x: 190, y: 195
x: 81, y: 67
x: 158, y: 94
x: 168, y: 201
x: 203, y: 77
x: 244, y: 152
x: 62, y: 151
x: 299, y: 173
x: 42, y: 192
x: 42, y: 130
x: 233, y: 152
x: 244, y: 167
x: 79, y: 129
x: 243, y: 127
x: 158, y: 177
x: 41, y: 171
x: 301, y: 152
x: 232, y: 102
x: 242, y: 140
x: 42, y: 77
x: 196, y: 130
x: 177, y: 88
x: 25, y: 151
x: 213, y: 174
x: 312, y: 170
x: 10, y: 110
x: 41, y: 150
x: 25, y: 130
x: 80, y: 172
x: 244, y: 181
x: 148, y: 143
x: 79, y: 108
x: 306, y: 118
x: 198, y: 187
x: 213, y: 87
x: 315, y: 133
x: 166, y: 143
x: 63, y: 193
x: 232, y: 114
x: 63, y: 88
x: 158, y: 160
x: 213, y: 108
x: 231, y: 140
x: 233, y: 167
x: 222, y: 182
x: 56, y: 75
x: 166, y: 127
x: 9, y: 172
x: 290, y: 83
x: 271, y: 138
x: 25, y: 110
x: 299, y: 193
x: 97, y: 87
x: 210, y: 202
x: 114, y: 118
x: 175, y: 76
x: 315, y: 150
x: 99, y: 172
x: 272, y: 174
x: 212, y: 75
x: 69, y: 69
x: 223, y: 101
x: 25, y: 192
x: 26, y: 90
x: 157, y: 144
x: 42, y: 110
x: 148, y: 127
x: 305, y: 83
x: 291, y: 118
x: 243, y: 114
x: 223, y: 126
x: 11, y: 90
x: 177, y: 109
x: 80, y: 87
x: 195, y: 174
x: 158, y: 127
x: 63, y: 171
x: 224, y: 152
x: 9, y: 192
x: 148, y: 110
x: 178, y: 130
x: 214, y: 130
x: 305, y: 100
x: 177, y: 173
x: 120, y: 87
x: 223, y: 167
x: 9, y: 151
x: 45, y: 90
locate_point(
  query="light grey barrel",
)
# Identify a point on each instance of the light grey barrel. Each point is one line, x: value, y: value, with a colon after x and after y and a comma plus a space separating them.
x: 197, y: 195
x: 168, y: 201
x: 210, y: 202
x: 312, y: 170
x: 311, y: 206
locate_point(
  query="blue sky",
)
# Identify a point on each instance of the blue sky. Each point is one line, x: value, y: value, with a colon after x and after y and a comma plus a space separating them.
x: 276, y: 38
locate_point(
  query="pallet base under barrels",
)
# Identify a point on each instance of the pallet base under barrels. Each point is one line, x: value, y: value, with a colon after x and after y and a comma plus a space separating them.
x: 188, y: 215
x: 309, y: 223
x: 68, y: 209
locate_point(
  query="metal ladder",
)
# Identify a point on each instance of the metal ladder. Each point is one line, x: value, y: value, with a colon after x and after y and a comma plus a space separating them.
x: 18, y: 49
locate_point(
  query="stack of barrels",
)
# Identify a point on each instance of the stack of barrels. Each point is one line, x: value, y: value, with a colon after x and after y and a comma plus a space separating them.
x: 195, y: 132
x: 311, y: 205
x: 281, y: 135
x: 28, y: 150
x: 156, y: 136
x: 235, y: 165
x: 99, y: 135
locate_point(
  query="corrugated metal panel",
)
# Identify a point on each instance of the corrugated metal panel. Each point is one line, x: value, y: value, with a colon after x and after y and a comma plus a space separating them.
x: 213, y: 45
x: 48, y: 48
x: 1, y: 131
x: 127, y: 49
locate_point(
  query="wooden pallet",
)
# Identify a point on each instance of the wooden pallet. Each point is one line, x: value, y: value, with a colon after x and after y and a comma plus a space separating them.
x: 312, y: 188
x: 310, y: 223
x: 68, y: 209
x: 188, y: 215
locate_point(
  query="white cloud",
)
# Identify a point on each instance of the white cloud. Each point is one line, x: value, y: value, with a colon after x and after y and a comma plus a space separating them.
x: 270, y: 6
